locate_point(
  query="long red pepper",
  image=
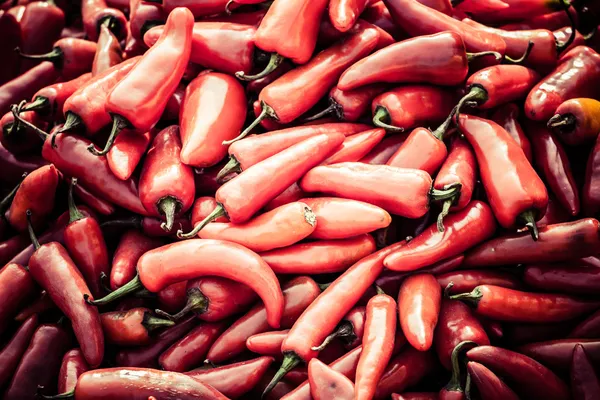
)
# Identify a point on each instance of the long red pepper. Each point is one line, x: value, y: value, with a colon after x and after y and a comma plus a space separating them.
x: 73, y: 365
x: 132, y: 246
x: 17, y: 287
x: 356, y: 146
x: 241, y: 264
x: 575, y: 76
x: 240, y: 198
x: 204, y: 126
x: 326, y: 383
x: 384, y: 150
x: 25, y: 85
x: 589, y: 194
x: 531, y: 378
x: 198, y: 8
x: 419, y: 307
x: 15, y: 348
x: 310, y: 82
x: 507, y: 117
x: 143, y: 16
x: 488, y: 384
x: 558, y: 242
x: 563, y: 278
x: 552, y: 162
x: 11, y: 31
x: 555, y: 214
x: 127, y: 151
x: 267, y: 343
x: 585, y: 384
x: 108, y: 52
x: 190, y: 351
x: 466, y: 280
x: 344, y: 13
x: 522, y: 197
x: 349, y: 331
x: 132, y: 327
x: 556, y: 354
x: 56, y: 272
x: 311, y: 328
x: 551, y: 20
x: 587, y: 328
x: 41, y: 304
x: 18, y: 139
x: 349, y: 105
x: 576, y: 121
x: 118, y: 383
x: 299, y: 293
x: 506, y: 304
x: 40, y: 363
x: 138, y: 102
x: 96, y: 13
x: 378, y: 343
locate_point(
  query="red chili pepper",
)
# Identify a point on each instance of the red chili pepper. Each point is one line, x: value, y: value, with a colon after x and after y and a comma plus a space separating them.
x: 404, y: 370
x: 378, y: 344
x: 108, y: 52
x: 71, y: 57
x: 469, y: 226
x: 189, y: 351
x: 505, y: 304
x: 131, y: 247
x: 584, y: 380
x: 143, y: 16
x: 419, y: 307
x: 328, y: 34
x: 349, y: 105
x: 267, y: 343
x: 202, y: 207
x: 198, y: 8
x: 519, y: 334
x: 41, y: 24
x: 40, y: 363
x: 95, y: 203
x: 257, y: 85
x: 26, y: 84
x: 11, y: 38
x: 557, y: 354
x: 147, y: 356
x: 326, y: 383
x: 299, y: 293
x: 289, y: 195
x: 40, y: 305
x: 12, y: 353
x: 18, y: 139
x: 166, y: 62
x: 563, y: 278
x: 577, y: 75
x: 531, y: 378
x: 344, y: 13
x: 523, y: 198
x: 132, y: 327
x: 558, y: 242
x: 73, y: 365
x: 555, y: 214
x: 456, y: 324
x: 349, y: 331
x: 507, y: 117
x: 313, y: 80
x: 96, y: 13
x: 13, y: 167
x: 410, y: 106
x: 551, y: 160
x: 17, y: 287
x: 204, y: 129
x: 36, y: 192
x: 173, y: 107
x: 253, y: 149
x: 576, y: 121
x: 119, y: 383
x: 489, y: 386
x: 437, y: 59
x: 587, y: 328
x: 336, y: 301
x: 356, y: 146
x: 589, y: 194
x: 242, y: 197
x: 517, y: 9
x: 127, y: 151
x: 170, y: 299
x: 378, y: 14
x: 384, y: 150
x: 467, y: 280
x: 55, y: 271
x: 551, y: 21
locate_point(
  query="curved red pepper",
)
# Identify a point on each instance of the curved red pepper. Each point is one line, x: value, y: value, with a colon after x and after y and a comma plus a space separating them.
x: 558, y: 242
x: 118, y: 383
x: 563, y: 278
x: 189, y: 351
x: 326, y: 383
x: 17, y: 287
x: 505, y: 304
x: 587, y: 328
x: 267, y: 343
x: 25, y: 85
x: 467, y: 280
x: 384, y: 150
x: 356, y: 146
x: 576, y: 121
x: 584, y: 380
x: 349, y: 105
x: 488, y: 384
x: 143, y: 16
x: 349, y: 331
x: 11, y: 247
x: 577, y: 75
x: 108, y: 52
x: 138, y: 102
x: 517, y: 9
x: 40, y: 363
x: 131, y: 247
x: 132, y: 327
x: 73, y: 365
x: 517, y: 194
x: 507, y: 117
x: 557, y: 354
x: 299, y: 293
x: 213, y: 112
x: 17, y: 138
x: 378, y: 14
x: 11, y: 38
x: 40, y: 305
x: 12, y: 353
x: 344, y: 13
x: 198, y: 8
x: 127, y: 151
x: 419, y: 307
x: 532, y: 379
x: 378, y: 344
x: 95, y: 13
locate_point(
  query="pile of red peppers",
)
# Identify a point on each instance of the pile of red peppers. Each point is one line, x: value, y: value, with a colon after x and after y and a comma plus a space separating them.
x: 300, y: 199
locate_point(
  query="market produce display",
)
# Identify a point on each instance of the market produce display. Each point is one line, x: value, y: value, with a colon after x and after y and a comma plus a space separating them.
x: 300, y: 199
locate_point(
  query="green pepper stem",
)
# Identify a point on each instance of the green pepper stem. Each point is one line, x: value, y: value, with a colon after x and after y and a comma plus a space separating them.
x: 111, y: 23
x: 197, y: 303
x: 381, y: 115
x: 130, y: 287
x: 445, y: 210
x: 72, y: 121
x: 379, y: 290
x: 560, y: 47
x: 34, y: 240
x: 15, y: 111
x: 476, y: 96
x: 232, y: 166
x: 274, y: 63
x: 441, y: 131
x: 523, y: 57
x: 119, y: 123
x: 323, y: 286
x: 528, y: 217
x: 264, y: 113
x: 448, y: 192
x: 133, y: 222
x: 40, y: 104
x: 474, y: 56
x: 472, y: 297
x: 168, y: 206
x: 74, y: 213
x: 565, y: 123
x: 66, y: 395
x: 455, y: 382
x: 290, y: 361
x: 55, y: 56
x: 345, y: 329
x: 331, y: 109
x: 219, y: 211
x: 151, y: 323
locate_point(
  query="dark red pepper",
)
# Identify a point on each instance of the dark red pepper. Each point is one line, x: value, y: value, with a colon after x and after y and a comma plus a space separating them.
x: 467, y: 280
x: 132, y: 327
x: 11, y: 38
x: 96, y: 13
x: 584, y: 380
x: 198, y: 8
x: 17, y: 287
x: 588, y: 328
x: 507, y: 117
x: 143, y: 16
x: 12, y: 353
x: 557, y: 354
x: 384, y: 150
x: 488, y: 384
x: 40, y: 305
x: 72, y: 366
x: 16, y: 137
x: 563, y: 278
x: 108, y: 52
x: 26, y: 84
x: 349, y: 105
x: 576, y: 121
x: 327, y: 383
x: 131, y: 247
x: 589, y: 194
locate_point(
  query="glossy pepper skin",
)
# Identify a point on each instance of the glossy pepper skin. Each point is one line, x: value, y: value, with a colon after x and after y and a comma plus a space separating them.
x: 17, y: 287
x: 11, y: 30
x: 518, y: 196
x: 132, y: 327
x: 344, y: 13
x: 378, y: 344
x: 213, y: 111
x: 108, y: 52
x: 326, y: 383
x: 577, y: 75
x: 488, y: 384
x: 131, y: 247
x: 118, y: 383
x: 505, y: 304
x: 526, y: 375
x: 584, y: 380
x: 467, y: 227
x: 384, y: 150
x: 562, y: 278
x: 558, y: 242
x: 465, y: 280
x: 419, y: 307
x: 36, y: 193
x: 507, y: 117
x: 143, y: 16
x: 198, y: 8
x: 576, y: 121
x: 166, y: 184
x: 72, y: 366
x: 40, y: 362
x: 95, y: 13
x: 267, y: 343
x: 589, y: 195
x: 404, y: 370
x: 14, y: 349
x: 556, y: 354
x: 128, y: 150
x: 26, y: 84
x: 587, y: 328
x: 552, y: 162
